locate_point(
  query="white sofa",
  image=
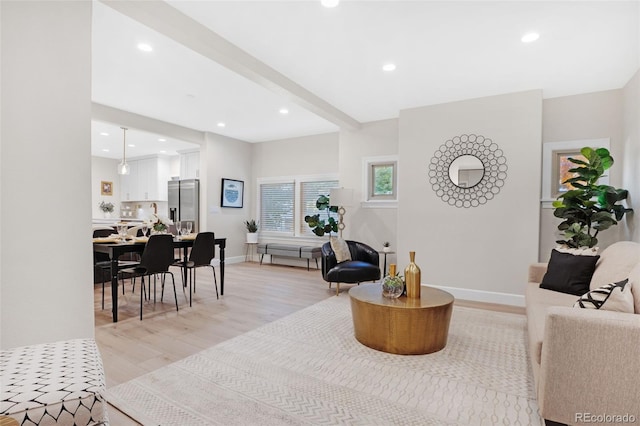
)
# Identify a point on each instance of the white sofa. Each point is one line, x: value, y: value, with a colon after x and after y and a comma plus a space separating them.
x: 586, y: 362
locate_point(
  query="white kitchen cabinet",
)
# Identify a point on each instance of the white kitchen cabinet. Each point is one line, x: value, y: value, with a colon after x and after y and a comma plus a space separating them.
x: 147, y: 180
x: 129, y: 183
x: 190, y: 165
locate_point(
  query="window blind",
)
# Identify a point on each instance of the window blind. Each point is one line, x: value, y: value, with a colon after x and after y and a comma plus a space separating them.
x: 277, y: 207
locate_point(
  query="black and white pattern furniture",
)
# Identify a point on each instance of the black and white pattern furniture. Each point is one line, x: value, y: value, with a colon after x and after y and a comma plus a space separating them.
x: 54, y: 383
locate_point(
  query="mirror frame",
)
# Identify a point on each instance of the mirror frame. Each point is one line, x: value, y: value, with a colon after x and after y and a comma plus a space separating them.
x: 492, y: 159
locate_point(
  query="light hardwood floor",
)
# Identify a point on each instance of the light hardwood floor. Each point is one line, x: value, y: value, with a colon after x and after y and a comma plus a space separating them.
x: 254, y: 295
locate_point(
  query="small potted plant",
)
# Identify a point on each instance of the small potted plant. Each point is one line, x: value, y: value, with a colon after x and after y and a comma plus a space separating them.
x: 107, y: 208
x: 252, y: 231
x: 386, y: 247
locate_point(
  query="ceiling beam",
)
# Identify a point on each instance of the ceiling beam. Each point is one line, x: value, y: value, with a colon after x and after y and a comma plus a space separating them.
x: 165, y: 19
x: 117, y: 116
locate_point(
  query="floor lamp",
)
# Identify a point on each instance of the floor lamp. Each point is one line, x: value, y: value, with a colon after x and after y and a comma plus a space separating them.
x: 341, y: 197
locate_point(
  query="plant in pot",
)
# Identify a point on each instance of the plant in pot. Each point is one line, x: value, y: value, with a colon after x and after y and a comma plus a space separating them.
x: 107, y: 208
x: 386, y: 247
x: 322, y: 226
x: 252, y: 231
x: 589, y: 208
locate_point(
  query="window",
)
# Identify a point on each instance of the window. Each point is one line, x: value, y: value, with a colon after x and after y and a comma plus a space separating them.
x: 284, y: 202
x: 555, y: 166
x: 276, y: 207
x: 561, y: 167
x: 309, y: 193
x: 380, y: 181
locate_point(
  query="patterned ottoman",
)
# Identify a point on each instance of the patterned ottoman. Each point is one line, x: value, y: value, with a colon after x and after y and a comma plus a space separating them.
x: 53, y: 383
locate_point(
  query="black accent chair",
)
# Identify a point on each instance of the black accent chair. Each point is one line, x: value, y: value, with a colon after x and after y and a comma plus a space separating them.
x: 202, y: 253
x: 363, y: 266
x: 156, y: 259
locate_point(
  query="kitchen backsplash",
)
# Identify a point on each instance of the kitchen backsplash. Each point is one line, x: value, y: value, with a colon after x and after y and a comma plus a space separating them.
x: 142, y: 210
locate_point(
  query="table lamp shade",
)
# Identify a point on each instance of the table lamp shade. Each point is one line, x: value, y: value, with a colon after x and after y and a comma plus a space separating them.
x: 341, y: 197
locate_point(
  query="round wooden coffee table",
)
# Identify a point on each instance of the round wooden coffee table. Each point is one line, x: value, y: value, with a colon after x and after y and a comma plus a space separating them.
x: 401, y: 326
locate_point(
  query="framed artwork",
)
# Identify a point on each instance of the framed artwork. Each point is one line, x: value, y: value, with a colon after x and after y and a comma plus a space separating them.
x: 106, y: 188
x: 232, y: 193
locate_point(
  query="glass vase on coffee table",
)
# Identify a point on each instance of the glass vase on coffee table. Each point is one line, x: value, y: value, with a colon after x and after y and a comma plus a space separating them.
x: 392, y: 284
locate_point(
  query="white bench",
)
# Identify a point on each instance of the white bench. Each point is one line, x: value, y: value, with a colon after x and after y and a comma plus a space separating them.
x: 53, y: 383
x: 290, y: 250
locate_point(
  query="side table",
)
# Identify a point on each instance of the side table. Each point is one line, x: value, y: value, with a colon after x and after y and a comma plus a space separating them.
x: 249, y: 251
x: 385, y: 253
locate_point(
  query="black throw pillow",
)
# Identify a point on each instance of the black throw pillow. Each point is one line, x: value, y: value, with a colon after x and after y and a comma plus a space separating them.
x: 568, y: 273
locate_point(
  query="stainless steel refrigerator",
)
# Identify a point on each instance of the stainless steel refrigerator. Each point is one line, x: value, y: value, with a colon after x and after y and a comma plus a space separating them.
x: 184, y: 201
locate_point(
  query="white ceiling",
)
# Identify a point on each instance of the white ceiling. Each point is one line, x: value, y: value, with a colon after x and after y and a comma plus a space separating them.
x: 324, y: 65
x: 107, y: 140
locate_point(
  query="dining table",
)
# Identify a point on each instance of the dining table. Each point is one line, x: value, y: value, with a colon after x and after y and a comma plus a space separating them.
x: 116, y: 249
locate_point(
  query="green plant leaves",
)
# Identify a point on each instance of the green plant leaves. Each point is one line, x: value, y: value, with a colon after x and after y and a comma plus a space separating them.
x: 318, y: 226
x: 589, y: 208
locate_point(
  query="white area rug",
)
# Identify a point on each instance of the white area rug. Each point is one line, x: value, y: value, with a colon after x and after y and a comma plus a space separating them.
x: 308, y: 369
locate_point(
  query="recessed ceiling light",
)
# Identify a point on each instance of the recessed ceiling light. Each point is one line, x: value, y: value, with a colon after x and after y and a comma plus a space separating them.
x: 145, y: 47
x: 221, y: 124
x: 284, y: 111
x: 131, y: 145
x: 528, y: 38
x: 163, y: 152
x: 104, y: 134
x: 162, y: 140
x: 389, y: 67
x: 105, y: 150
x: 329, y: 3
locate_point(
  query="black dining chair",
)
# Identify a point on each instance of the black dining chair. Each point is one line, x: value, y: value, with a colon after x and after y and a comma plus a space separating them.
x: 156, y: 258
x: 102, y: 262
x: 202, y: 253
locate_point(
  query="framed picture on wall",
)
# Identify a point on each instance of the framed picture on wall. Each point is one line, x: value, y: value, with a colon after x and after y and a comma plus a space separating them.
x: 232, y: 193
x: 106, y: 188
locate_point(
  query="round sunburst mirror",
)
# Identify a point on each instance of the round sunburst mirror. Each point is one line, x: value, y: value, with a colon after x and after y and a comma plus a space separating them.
x: 467, y: 171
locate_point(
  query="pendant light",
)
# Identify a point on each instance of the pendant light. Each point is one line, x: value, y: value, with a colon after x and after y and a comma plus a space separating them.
x: 123, y: 167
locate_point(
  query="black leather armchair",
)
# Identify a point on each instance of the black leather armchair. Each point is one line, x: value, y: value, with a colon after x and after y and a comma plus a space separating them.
x: 363, y: 266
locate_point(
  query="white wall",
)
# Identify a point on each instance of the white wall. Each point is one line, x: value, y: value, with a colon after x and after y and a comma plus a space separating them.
x: 486, y: 248
x: 372, y: 226
x: 302, y: 156
x: 307, y: 155
x: 46, y: 282
x: 104, y: 169
x: 631, y: 152
x: 586, y: 116
x: 225, y: 158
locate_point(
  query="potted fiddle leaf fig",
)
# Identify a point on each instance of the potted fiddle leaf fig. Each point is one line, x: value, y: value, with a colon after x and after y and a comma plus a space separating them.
x: 322, y: 226
x: 589, y: 208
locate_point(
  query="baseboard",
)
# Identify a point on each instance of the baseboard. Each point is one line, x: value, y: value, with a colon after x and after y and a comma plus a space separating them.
x: 234, y: 259
x: 484, y: 296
